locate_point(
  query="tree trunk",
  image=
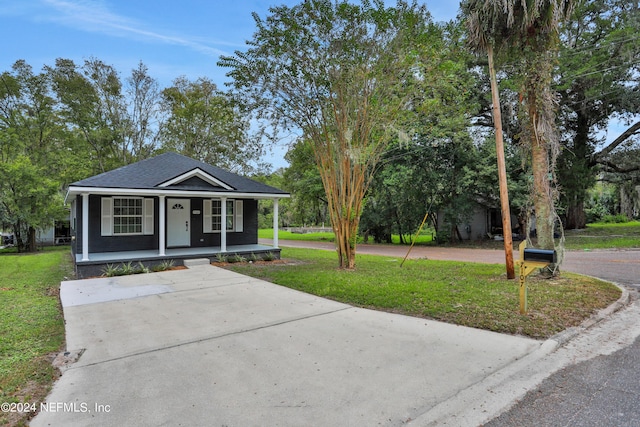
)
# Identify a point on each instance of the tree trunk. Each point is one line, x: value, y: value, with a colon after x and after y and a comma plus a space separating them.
x: 576, y: 217
x: 576, y: 174
x: 542, y: 201
x: 17, y: 237
x: 344, y: 202
x: 31, y: 240
x: 630, y: 199
x: 346, y: 235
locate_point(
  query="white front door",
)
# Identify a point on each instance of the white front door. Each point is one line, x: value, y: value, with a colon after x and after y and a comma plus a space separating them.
x: 178, y: 222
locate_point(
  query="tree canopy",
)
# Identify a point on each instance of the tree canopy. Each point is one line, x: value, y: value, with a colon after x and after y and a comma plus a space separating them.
x: 599, y: 67
x: 390, y: 115
x: 72, y: 121
x: 334, y: 71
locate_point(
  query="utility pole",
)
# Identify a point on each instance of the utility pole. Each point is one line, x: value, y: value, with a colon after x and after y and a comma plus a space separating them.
x: 502, y: 170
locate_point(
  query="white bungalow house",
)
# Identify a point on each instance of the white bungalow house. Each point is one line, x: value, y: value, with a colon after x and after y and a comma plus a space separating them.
x: 169, y: 207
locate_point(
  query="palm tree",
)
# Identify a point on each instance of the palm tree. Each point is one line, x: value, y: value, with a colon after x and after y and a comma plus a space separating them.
x: 526, y: 31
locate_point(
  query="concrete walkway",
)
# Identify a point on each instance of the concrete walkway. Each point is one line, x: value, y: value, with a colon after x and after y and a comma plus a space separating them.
x: 209, y: 347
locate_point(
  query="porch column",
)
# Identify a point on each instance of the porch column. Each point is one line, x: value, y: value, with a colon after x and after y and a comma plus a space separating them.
x: 223, y: 225
x: 162, y: 226
x: 275, y: 223
x: 85, y: 226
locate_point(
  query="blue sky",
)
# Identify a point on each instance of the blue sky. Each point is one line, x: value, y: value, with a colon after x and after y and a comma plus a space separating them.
x: 171, y: 37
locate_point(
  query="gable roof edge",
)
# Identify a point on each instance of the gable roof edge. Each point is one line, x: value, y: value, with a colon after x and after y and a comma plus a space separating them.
x: 197, y: 172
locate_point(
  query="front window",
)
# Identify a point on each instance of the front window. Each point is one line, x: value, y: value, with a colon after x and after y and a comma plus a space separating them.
x: 127, y: 215
x: 216, y: 215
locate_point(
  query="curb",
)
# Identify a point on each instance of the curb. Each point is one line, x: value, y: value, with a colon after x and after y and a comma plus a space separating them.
x: 487, y: 399
x: 567, y: 335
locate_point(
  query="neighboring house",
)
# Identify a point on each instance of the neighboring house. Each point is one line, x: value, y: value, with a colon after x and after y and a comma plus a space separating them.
x: 168, y: 207
x: 484, y: 222
x: 59, y: 234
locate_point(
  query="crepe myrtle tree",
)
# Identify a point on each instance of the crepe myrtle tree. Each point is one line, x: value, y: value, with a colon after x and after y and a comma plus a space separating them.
x: 336, y: 72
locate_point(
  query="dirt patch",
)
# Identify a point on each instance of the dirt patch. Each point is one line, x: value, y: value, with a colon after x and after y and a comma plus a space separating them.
x: 66, y: 358
x: 260, y: 263
x: 53, y: 291
x: 32, y: 392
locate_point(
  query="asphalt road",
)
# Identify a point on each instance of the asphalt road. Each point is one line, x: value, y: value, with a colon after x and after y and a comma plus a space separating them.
x: 619, y: 266
x: 603, y: 390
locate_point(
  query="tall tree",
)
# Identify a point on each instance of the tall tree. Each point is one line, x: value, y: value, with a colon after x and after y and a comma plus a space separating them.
x: 93, y: 105
x: 144, y: 115
x: 529, y: 29
x: 599, y: 68
x: 29, y: 162
x: 430, y: 171
x: 333, y: 70
x: 204, y: 123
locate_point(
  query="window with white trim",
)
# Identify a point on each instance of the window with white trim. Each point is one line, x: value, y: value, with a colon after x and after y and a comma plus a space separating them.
x: 216, y: 215
x: 127, y: 216
x: 213, y: 215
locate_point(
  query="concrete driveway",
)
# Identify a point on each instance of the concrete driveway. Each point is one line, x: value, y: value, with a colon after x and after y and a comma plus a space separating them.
x: 209, y: 347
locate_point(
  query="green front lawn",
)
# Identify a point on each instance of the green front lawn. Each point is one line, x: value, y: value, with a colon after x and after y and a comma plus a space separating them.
x: 605, y: 236
x: 31, y: 326
x: 423, y: 239
x: 476, y: 295
x: 267, y: 233
x: 595, y: 236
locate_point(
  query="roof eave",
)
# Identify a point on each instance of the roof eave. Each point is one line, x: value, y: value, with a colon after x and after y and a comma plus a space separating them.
x: 75, y: 190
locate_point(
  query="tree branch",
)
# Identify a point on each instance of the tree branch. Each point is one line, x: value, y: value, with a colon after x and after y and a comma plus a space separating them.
x: 612, y: 167
x: 598, y: 158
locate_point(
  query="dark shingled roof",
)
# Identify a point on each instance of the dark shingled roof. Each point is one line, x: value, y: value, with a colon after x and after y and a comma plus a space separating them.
x: 150, y: 173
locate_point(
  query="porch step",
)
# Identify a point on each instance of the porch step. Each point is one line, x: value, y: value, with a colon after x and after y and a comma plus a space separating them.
x: 196, y: 261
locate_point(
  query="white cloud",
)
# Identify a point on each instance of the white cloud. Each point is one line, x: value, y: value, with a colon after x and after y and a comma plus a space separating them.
x: 94, y: 16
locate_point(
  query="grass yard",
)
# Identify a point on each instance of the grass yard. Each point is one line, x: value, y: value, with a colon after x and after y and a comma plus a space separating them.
x: 267, y: 233
x: 595, y: 236
x: 476, y: 295
x: 604, y: 236
x: 31, y: 326
x: 424, y: 238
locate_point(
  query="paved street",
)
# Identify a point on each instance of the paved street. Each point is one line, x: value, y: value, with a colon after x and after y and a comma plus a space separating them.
x: 604, y: 391
x: 619, y: 266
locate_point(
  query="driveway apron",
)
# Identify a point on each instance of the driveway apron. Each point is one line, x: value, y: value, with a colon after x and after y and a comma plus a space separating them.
x: 206, y: 346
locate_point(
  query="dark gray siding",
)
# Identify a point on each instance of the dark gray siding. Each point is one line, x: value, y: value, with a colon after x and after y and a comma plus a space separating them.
x: 99, y: 243
x: 249, y: 235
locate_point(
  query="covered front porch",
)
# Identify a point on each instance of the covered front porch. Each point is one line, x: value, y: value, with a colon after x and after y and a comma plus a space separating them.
x: 150, y: 258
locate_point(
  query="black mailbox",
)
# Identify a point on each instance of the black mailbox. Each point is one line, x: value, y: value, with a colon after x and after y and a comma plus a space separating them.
x: 540, y: 255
